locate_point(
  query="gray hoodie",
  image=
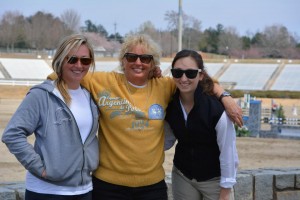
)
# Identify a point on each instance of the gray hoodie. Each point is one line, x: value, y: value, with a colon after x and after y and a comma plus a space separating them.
x: 58, y: 147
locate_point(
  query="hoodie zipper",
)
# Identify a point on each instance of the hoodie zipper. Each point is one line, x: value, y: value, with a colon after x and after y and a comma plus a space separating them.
x: 78, y: 132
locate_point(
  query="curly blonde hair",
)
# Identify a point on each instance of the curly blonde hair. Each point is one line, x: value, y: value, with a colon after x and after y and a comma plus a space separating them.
x: 144, y: 40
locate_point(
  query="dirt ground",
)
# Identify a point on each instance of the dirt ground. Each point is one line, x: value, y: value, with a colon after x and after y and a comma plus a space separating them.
x: 253, y: 153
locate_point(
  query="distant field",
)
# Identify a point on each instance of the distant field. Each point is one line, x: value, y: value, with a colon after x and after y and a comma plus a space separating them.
x: 15, y: 92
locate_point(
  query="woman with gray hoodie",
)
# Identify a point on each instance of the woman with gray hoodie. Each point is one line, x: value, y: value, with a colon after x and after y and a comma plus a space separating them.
x: 64, y: 119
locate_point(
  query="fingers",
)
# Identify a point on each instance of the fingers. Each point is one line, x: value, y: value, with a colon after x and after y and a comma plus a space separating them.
x: 157, y: 72
x: 239, y: 122
x: 236, y: 116
x: 234, y: 111
x: 44, y: 173
x: 238, y: 119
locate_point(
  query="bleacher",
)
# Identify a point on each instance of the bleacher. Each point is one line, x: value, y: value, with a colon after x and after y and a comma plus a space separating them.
x: 213, y: 68
x: 288, y: 78
x: 241, y: 76
x: 32, y: 69
x: 23, y: 71
x: 248, y: 76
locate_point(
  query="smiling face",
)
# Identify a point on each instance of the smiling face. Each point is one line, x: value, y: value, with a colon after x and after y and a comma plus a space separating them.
x: 137, y: 72
x: 72, y: 74
x: 184, y: 84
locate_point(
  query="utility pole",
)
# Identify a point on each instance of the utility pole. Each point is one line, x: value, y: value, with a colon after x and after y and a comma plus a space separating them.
x: 115, y: 26
x: 114, y: 44
x: 180, y: 26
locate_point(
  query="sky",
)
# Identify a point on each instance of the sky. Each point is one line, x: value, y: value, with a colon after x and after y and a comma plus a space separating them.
x: 247, y: 16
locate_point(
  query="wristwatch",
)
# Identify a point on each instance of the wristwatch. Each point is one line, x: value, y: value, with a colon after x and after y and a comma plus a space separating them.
x: 224, y: 94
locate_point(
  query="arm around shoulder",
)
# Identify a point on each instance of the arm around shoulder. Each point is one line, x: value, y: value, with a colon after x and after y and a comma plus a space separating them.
x: 234, y: 111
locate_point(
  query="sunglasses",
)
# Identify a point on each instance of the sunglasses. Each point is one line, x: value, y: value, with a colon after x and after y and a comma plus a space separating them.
x: 189, y: 73
x: 144, y: 58
x: 84, y: 61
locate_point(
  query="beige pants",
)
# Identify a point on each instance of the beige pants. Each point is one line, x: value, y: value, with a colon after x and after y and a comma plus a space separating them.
x: 186, y: 189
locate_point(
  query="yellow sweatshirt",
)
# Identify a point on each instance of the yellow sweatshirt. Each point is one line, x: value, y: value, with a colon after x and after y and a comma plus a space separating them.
x: 131, y: 128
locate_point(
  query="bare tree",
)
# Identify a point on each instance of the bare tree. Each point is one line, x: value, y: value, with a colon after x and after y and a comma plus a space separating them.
x: 191, y: 28
x: 191, y: 33
x: 148, y: 28
x: 57, y: 32
x: 172, y: 18
x: 276, y: 39
x: 44, y: 31
x: 11, y: 29
x: 71, y: 20
x: 166, y: 39
x: 169, y: 43
x: 229, y: 42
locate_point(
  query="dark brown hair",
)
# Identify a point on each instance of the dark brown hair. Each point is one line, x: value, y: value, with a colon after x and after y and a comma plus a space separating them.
x: 207, y: 82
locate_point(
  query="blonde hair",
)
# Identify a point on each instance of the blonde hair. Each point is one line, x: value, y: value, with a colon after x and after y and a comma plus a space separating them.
x: 67, y: 44
x: 144, y: 40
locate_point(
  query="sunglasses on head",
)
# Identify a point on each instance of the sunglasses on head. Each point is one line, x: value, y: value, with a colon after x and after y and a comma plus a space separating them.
x: 144, y: 58
x: 189, y: 73
x: 84, y: 61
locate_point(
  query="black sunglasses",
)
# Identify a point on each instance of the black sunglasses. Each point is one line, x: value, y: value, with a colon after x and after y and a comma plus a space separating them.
x: 189, y: 73
x: 144, y: 58
x: 84, y: 61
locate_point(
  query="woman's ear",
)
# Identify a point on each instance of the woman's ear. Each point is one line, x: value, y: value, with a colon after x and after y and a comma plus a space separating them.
x: 201, y: 76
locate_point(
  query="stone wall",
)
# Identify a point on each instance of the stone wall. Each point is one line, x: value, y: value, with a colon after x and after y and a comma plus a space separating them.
x: 12, y: 191
x: 264, y: 184
x: 267, y: 184
x: 260, y: 184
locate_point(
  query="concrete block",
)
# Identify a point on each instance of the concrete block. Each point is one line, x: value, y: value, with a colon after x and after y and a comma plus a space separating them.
x: 15, y: 185
x: 284, y: 181
x: 7, y: 194
x: 297, y: 184
x: 243, y: 189
x: 263, y: 186
x: 21, y: 194
x: 288, y: 195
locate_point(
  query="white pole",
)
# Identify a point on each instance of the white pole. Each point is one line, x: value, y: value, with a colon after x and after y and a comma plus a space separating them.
x: 180, y: 26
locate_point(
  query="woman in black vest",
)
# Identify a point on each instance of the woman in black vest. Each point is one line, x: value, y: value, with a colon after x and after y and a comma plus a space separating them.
x: 205, y: 160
